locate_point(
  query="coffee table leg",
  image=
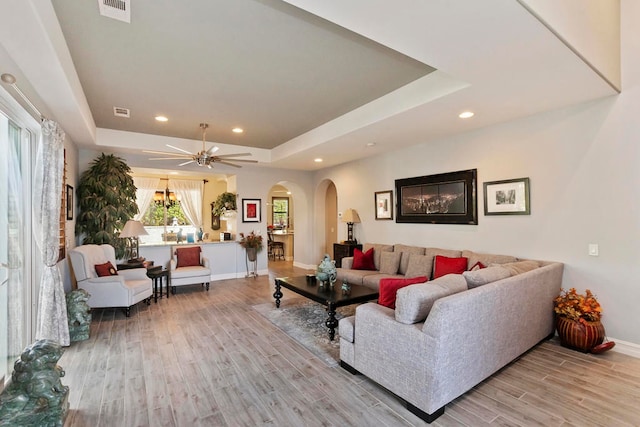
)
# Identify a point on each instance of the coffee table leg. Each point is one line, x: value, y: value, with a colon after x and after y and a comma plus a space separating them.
x: 277, y: 294
x: 331, y: 322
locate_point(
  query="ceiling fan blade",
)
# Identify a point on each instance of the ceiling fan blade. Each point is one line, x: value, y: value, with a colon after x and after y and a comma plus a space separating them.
x: 168, y: 158
x: 218, y: 159
x: 186, y: 163
x: 234, y: 155
x: 229, y: 164
x: 179, y: 149
x: 166, y: 153
x: 212, y: 150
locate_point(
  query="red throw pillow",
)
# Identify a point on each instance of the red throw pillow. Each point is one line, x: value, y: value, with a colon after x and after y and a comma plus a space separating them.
x: 477, y: 266
x: 389, y: 287
x: 443, y: 265
x: 188, y: 257
x: 106, y: 269
x: 363, y: 261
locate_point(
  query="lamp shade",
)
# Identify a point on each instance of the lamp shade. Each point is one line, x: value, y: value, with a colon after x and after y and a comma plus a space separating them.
x: 133, y: 229
x: 350, y: 215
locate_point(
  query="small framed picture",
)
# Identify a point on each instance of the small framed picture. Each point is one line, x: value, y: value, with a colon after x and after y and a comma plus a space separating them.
x: 251, y: 210
x: 69, y: 202
x: 384, y: 204
x: 508, y: 197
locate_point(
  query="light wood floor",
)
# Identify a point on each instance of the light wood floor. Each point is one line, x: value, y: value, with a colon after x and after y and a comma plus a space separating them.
x: 208, y: 359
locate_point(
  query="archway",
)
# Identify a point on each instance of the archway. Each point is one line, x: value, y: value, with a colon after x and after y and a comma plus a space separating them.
x: 326, y: 221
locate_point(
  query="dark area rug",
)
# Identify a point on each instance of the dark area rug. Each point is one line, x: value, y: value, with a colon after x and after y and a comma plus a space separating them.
x: 303, y: 320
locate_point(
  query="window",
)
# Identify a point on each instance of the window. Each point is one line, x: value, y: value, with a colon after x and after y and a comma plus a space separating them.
x: 165, y: 220
x: 280, y: 212
x: 16, y: 279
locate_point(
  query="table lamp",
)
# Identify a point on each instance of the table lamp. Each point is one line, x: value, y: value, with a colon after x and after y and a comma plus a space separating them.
x: 132, y: 229
x: 350, y: 217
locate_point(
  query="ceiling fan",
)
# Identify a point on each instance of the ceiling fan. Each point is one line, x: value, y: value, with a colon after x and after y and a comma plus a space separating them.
x: 201, y: 158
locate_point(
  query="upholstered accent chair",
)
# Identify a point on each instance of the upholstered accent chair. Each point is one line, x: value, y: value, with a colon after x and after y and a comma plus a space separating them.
x: 94, y: 267
x: 188, y: 267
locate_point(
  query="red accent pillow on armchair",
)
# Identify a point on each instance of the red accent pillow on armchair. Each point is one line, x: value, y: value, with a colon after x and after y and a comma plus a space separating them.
x: 363, y: 261
x: 188, y: 257
x: 106, y: 269
x: 443, y: 265
x: 389, y: 287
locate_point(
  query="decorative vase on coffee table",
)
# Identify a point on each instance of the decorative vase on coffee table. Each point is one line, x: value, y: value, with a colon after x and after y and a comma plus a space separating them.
x: 579, y: 335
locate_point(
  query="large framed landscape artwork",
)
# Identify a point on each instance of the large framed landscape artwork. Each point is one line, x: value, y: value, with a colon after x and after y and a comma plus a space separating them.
x: 446, y: 198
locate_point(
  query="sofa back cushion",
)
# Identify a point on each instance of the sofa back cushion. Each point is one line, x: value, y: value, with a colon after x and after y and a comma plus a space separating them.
x: 377, y: 251
x: 414, y: 302
x: 443, y: 265
x: 486, y: 259
x: 390, y: 262
x: 419, y: 265
x: 406, y: 251
x: 520, y: 267
x: 363, y: 260
x: 485, y: 275
x: 389, y: 287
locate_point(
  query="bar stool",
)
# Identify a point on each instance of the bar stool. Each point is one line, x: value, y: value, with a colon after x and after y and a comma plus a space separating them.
x: 275, y: 249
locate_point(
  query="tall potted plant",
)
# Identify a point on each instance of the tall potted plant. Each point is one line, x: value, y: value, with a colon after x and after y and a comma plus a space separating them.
x: 106, y: 201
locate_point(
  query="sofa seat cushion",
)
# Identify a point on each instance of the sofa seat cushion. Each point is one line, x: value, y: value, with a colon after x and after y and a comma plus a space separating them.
x: 414, y: 302
x: 377, y: 251
x: 389, y: 287
x: 406, y: 252
x: 192, y: 271
x: 354, y: 277
x: 346, y: 328
x: 373, y: 280
x: 486, y: 275
x: 486, y: 259
x: 138, y: 286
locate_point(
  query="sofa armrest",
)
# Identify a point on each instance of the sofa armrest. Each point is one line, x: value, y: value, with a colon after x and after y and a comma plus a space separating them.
x: 104, y: 280
x: 347, y: 262
x: 204, y: 262
x: 172, y: 265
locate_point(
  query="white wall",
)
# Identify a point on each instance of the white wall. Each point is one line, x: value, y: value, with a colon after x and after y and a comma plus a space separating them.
x: 585, y: 188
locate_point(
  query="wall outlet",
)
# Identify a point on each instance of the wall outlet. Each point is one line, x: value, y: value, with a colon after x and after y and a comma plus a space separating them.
x: 593, y: 249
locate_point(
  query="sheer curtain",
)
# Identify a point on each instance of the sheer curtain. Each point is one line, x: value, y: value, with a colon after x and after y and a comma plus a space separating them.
x: 190, y: 194
x: 145, y: 190
x: 52, y: 307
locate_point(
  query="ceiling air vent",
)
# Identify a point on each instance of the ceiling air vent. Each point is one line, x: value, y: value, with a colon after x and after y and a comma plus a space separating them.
x: 116, y: 9
x: 121, y: 112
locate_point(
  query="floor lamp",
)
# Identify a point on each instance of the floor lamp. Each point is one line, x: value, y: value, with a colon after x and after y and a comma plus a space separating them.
x: 132, y: 229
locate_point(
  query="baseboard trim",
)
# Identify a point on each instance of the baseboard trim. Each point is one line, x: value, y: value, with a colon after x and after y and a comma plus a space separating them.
x: 625, y: 347
x: 305, y: 266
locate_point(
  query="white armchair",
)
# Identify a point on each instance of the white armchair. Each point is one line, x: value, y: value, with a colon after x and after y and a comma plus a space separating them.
x: 125, y: 289
x: 188, y: 267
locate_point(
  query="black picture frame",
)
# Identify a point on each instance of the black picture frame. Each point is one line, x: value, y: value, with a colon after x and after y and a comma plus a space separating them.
x: 507, y: 197
x: 251, y: 209
x: 384, y: 205
x: 445, y: 198
x: 69, y: 202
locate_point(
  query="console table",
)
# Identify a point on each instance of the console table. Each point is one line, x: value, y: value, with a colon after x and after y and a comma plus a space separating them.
x: 342, y: 250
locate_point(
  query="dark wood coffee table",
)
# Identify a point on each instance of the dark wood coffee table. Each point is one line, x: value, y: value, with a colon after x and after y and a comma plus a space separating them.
x: 331, y: 298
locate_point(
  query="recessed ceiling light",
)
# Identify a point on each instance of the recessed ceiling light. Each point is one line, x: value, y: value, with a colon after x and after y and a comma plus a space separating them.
x: 162, y: 119
x: 371, y: 144
x: 466, y: 114
x: 318, y: 160
x: 237, y: 130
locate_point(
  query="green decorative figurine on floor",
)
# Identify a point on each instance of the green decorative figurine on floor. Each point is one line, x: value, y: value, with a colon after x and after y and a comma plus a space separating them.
x: 36, y: 396
x: 78, y: 315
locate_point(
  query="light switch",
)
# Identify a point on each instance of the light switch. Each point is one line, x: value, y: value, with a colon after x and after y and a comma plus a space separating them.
x: 593, y: 249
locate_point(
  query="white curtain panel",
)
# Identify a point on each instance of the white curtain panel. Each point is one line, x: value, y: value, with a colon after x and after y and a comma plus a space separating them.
x: 145, y: 190
x: 52, y: 307
x: 190, y: 194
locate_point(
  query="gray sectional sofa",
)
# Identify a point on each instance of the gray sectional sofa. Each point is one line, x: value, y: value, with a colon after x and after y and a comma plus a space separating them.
x: 448, y: 334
